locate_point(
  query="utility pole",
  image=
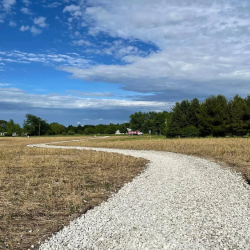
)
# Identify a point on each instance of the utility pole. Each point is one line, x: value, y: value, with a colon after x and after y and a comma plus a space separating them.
x: 39, y: 128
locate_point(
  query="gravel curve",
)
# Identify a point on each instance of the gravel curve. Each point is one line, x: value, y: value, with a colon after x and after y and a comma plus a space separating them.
x: 178, y: 202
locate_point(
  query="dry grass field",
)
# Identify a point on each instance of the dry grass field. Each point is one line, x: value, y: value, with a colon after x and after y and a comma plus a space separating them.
x: 41, y: 190
x: 229, y: 152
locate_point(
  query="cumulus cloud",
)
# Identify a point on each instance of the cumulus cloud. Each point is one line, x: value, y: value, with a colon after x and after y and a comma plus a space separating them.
x: 24, y: 28
x: 202, y: 45
x: 8, y: 4
x: 26, y: 11
x: 52, y: 5
x: 35, y: 31
x: 41, y: 22
x: 32, y: 29
x: 81, y: 42
x: 12, y: 24
x: 71, y: 8
x: 26, y: 2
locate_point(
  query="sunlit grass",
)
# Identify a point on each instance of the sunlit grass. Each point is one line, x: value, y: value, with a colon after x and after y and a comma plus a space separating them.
x: 43, y: 189
x: 234, y: 152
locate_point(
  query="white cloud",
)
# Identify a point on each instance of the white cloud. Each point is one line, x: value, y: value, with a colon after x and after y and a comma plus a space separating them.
x: 71, y: 59
x: 35, y: 31
x: 4, y: 84
x: 8, y: 4
x: 26, y: 11
x: 41, y: 22
x: 93, y: 94
x: 26, y: 2
x: 12, y: 24
x: 53, y: 5
x: 75, y: 11
x: 71, y: 8
x: 81, y: 43
x: 19, y: 97
x: 199, y: 45
x: 24, y: 28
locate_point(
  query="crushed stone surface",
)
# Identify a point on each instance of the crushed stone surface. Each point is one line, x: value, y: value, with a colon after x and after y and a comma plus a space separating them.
x: 178, y: 202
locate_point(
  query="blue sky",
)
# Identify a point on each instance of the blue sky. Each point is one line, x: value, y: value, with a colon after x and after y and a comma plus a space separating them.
x: 99, y: 61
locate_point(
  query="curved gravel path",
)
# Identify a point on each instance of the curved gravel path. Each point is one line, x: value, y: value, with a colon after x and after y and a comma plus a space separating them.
x: 178, y: 202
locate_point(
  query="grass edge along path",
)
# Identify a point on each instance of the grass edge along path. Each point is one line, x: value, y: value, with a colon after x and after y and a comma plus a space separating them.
x: 42, y: 190
x: 233, y: 153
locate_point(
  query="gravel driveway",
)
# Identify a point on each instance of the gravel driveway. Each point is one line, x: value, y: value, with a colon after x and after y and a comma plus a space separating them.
x: 178, y: 202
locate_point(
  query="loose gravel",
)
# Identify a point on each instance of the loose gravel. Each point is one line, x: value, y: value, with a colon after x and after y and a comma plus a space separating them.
x: 178, y: 202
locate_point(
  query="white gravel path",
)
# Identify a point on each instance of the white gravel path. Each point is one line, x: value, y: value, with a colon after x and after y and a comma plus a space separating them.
x: 178, y: 202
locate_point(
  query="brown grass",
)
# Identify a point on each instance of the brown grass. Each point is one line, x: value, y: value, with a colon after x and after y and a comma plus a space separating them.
x: 230, y: 152
x: 41, y: 190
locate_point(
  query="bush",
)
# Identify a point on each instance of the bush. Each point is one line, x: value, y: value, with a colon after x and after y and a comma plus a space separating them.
x: 190, y: 131
x: 246, y: 136
x: 70, y: 132
x: 63, y: 133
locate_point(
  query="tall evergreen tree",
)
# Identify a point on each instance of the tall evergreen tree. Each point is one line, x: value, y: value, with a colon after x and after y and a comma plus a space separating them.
x: 239, y: 116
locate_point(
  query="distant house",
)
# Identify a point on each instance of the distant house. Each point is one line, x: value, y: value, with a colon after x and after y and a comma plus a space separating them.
x: 3, y: 133
x: 118, y: 132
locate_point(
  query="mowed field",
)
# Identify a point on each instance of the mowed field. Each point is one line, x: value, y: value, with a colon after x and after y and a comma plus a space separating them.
x: 41, y: 190
x: 229, y: 152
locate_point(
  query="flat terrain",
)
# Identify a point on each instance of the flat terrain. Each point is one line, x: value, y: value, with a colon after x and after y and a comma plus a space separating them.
x: 178, y: 202
x: 229, y: 152
x: 41, y: 190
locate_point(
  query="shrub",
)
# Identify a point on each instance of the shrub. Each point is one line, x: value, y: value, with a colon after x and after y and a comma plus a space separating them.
x: 70, y: 132
x: 246, y: 136
x: 190, y: 131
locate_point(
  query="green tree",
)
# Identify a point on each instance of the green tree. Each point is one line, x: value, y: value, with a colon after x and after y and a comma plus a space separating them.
x: 12, y: 127
x: 160, y: 122
x: 190, y: 131
x: 175, y: 123
x: 111, y: 129
x: 193, y: 111
x: 100, y: 129
x: 3, y: 125
x: 239, y: 110
x: 89, y: 130
x: 33, y: 124
x: 214, y: 116
x: 137, y: 120
x: 122, y: 128
x: 71, y: 128
x: 79, y: 129
x: 57, y: 128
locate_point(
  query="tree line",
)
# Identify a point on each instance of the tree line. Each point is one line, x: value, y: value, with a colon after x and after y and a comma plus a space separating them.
x: 216, y: 116
x: 35, y: 126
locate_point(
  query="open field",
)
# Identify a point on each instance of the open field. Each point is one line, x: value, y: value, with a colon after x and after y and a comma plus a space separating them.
x: 229, y: 152
x: 41, y: 190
